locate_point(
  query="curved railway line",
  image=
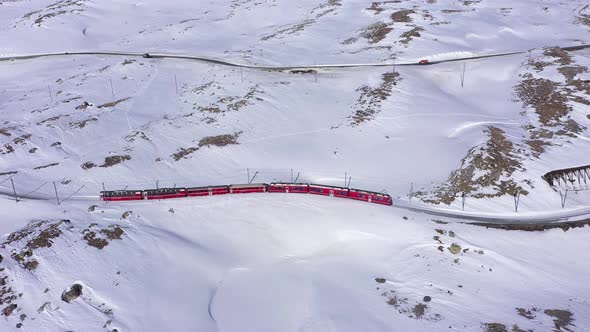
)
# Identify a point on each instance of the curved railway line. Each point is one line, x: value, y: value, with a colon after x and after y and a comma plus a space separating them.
x: 501, y: 220
x: 507, y: 220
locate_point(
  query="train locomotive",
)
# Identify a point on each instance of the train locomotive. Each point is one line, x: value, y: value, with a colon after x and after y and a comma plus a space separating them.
x: 274, y: 187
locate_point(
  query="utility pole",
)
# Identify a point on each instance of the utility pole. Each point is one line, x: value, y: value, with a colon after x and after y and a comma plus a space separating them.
x: 529, y: 61
x: 345, y: 177
x: 315, y: 65
x: 176, y: 84
x: 56, y: 195
x: 50, y: 94
x: 253, y: 176
x: 516, y: 200
x: 112, y: 90
x: 563, y: 198
x: 411, y: 191
x: 463, y: 201
x: 463, y: 75
x: 248, y: 173
x: 14, y: 190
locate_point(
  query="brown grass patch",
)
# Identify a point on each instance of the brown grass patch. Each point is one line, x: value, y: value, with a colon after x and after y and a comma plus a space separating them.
x: 219, y: 140
x: 93, y: 241
x: 495, y: 327
x: 376, y: 7
x: 565, y: 226
x: 45, y: 238
x: 183, y: 153
x: 376, y: 32
x: 562, y: 319
x: 45, y: 166
x: 231, y: 103
x: 563, y: 57
x: 131, y: 137
x: 369, y: 101
x: 113, y: 103
x: 407, y: 36
x: 470, y: 2
x: 83, y: 123
x: 543, y: 96
x: 41, y: 234
x: 402, y: 16
x: 322, y: 10
x: 488, y: 166
x: 208, y: 141
x: 21, y: 139
x: 100, y: 238
x: 88, y: 165
x: 570, y: 72
x: 57, y: 8
x: 66, y: 101
x: 53, y: 118
x: 453, y: 11
x: 290, y: 29
x: 7, y: 149
x: 419, y: 310
x: 527, y: 313
x: 114, y: 160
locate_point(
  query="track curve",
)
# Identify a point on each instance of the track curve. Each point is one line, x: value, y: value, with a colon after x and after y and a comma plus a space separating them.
x: 554, y: 216
x: 541, y: 217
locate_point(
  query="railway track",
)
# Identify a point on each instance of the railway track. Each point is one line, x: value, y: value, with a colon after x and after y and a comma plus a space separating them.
x: 571, y: 215
x: 482, y: 219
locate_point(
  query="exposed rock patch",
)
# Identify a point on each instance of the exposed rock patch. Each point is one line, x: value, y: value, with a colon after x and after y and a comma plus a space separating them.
x: 73, y: 293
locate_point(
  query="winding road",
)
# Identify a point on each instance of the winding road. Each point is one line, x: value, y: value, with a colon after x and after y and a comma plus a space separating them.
x: 222, y: 62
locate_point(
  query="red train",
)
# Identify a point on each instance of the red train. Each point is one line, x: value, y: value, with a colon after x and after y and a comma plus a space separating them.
x: 302, y: 188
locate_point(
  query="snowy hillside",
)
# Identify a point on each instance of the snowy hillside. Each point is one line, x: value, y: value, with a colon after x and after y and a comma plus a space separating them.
x: 307, y: 264
x: 484, y: 128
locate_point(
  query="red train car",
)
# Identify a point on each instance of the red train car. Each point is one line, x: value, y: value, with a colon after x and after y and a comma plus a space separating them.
x: 318, y: 189
x: 164, y: 193
x: 207, y: 191
x: 247, y: 188
x: 301, y: 188
x: 371, y: 197
x: 121, y: 195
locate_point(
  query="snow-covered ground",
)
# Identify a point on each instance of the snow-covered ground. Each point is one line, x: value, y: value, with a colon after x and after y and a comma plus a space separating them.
x: 274, y: 262
x: 289, y: 263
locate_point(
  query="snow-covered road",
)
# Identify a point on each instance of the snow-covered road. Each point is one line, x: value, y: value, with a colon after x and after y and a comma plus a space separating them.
x: 222, y: 62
